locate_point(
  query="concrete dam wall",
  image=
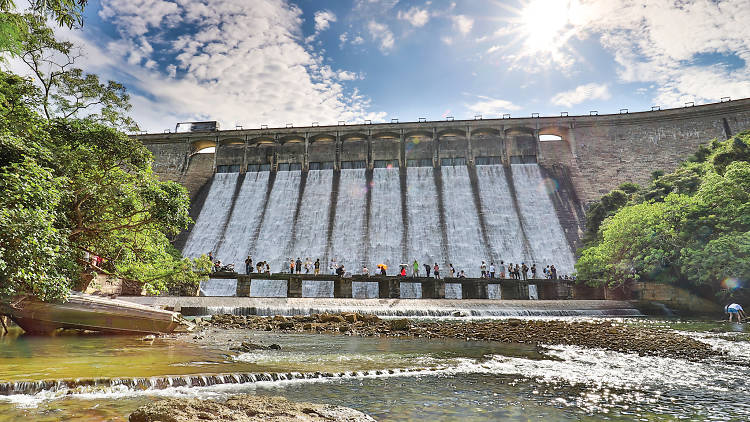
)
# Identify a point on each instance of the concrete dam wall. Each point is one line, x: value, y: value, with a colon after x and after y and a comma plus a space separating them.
x: 448, y: 192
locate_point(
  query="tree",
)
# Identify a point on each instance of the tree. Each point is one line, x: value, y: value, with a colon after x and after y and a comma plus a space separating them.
x: 67, y: 91
x: 689, y: 227
x: 71, y: 184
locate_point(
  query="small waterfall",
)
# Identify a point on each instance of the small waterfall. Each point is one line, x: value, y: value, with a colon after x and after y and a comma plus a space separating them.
x: 268, y: 288
x: 317, y: 288
x: 503, y: 226
x: 365, y: 289
x: 542, y: 227
x: 424, y: 222
x: 411, y: 290
x: 277, y: 224
x: 347, y: 246
x: 385, y: 220
x: 218, y: 287
x: 494, y: 291
x: 310, y: 239
x: 244, y: 221
x: 453, y: 291
x: 104, y: 385
x: 533, y: 293
x: 208, y: 229
x: 465, y: 245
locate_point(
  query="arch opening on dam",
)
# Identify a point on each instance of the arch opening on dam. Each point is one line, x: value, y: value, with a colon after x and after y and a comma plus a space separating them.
x: 455, y: 192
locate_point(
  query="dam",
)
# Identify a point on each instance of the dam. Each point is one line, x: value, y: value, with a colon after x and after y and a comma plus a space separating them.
x: 438, y: 192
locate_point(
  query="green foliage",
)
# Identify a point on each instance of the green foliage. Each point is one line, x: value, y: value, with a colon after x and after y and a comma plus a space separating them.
x: 606, y: 206
x: 71, y: 184
x: 689, y: 227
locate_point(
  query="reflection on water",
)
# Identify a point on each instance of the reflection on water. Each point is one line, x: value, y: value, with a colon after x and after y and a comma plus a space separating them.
x: 475, y: 381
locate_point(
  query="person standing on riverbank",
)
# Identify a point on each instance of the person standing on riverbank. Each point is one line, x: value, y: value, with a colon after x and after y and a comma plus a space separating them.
x: 735, y: 309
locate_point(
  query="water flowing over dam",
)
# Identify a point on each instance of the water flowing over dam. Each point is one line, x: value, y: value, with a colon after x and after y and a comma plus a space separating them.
x: 460, y: 215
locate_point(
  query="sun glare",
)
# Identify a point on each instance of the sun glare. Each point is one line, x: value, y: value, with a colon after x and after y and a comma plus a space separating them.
x: 543, y: 24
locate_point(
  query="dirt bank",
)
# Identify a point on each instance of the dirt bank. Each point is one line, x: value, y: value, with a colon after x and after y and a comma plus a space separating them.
x: 604, y: 335
x: 244, y: 408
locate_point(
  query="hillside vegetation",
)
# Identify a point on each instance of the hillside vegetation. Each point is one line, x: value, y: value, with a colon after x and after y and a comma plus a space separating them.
x: 690, y: 227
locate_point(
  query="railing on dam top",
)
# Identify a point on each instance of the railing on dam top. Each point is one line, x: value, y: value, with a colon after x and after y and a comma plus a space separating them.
x: 394, y: 287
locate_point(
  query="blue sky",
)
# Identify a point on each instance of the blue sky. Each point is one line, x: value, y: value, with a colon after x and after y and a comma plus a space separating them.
x: 275, y: 62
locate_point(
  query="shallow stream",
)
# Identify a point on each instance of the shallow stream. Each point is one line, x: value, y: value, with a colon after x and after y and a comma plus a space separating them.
x: 390, y: 379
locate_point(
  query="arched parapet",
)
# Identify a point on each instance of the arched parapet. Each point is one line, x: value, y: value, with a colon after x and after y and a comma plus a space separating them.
x: 291, y: 149
x: 386, y: 146
x: 488, y: 143
x: 453, y: 146
x: 419, y: 147
x: 353, y: 149
x: 521, y: 145
x: 201, y: 146
x: 353, y: 137
x: 322, y: 150
x: 322, y: 138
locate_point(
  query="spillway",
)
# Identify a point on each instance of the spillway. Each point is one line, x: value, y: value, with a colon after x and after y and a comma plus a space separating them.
x: 312, y: 223
x: 276, y: 228
x: 424, y: 238
x: 542, y: 228
x: 458, y: 215
x: 386, y: 230
x: 465, y: 246
x: 347, y: 243
x: 208, y: 230
x: 245, y: 217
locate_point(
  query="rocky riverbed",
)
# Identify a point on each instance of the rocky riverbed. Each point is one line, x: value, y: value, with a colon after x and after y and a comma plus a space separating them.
x: 244, y: 408
x: 604, y: 334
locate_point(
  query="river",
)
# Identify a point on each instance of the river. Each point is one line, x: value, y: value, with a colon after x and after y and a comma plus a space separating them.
x: 391, y: 379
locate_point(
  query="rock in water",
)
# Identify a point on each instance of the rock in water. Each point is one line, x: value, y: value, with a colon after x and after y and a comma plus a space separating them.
x: 244, y: 408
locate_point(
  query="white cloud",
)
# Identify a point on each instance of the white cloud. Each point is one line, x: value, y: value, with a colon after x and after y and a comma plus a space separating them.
x: 581, y: 93
x: 447, y: 40
x: 323, y: 19
x: 415, y: 16
x: 345, y: 75
x: 237, y: 62
x: 358, y: 40
x: 463, y: 23
x: 490, y: 107
x: 380, y: 32
x: 660, y: 42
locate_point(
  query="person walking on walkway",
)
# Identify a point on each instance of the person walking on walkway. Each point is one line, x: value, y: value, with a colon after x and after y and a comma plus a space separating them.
x: 492, y: 270
x: 427, y: 269
x: 298, y: 264
x: 452, y: 270
x: 415, y: 269
x: 483, y: 269
x: 316, y: 266
x: 502, y: 269
x: 533, y: 271
x: 525, y: 271
x: 436, y: 271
